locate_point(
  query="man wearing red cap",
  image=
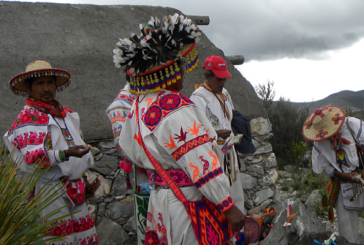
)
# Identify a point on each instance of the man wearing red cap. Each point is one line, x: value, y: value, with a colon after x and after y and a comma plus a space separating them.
x: 215, y: 102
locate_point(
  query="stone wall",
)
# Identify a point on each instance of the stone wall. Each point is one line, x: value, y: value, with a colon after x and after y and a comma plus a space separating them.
x: 112, y: 205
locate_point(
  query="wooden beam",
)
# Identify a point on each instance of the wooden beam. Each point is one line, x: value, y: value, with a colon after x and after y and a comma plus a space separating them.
x: 199, y: 20
x: 236, y: 59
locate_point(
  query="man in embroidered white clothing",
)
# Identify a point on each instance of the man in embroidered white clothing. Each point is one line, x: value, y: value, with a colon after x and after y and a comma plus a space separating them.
x: 166, y: 132
x: 334, y: 155
x: 47, y: 133
x: 215, y: 102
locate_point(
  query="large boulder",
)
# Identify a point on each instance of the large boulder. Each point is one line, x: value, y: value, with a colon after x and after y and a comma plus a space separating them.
x: 80, y: 39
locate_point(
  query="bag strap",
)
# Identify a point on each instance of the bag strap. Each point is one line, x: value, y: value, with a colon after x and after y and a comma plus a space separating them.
x: 161, y: 171
x: 357, y: 144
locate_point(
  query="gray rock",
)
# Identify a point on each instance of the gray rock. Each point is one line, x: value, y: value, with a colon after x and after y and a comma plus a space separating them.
x: 306, y: 157
x: 260, y: 126
x: 106, y: 145
x: 315, y: 196
x: 306, y: 221
x: 262, y: 149
x: 98, y: 156
x: 271, y: 161
x: 109, y: 232
x: 263, y: 195
x: 94, y: 150
x: 265, y: 204
x: 247, y: 181
x: 290, y: 168
x: 256, y: 169
x: 102, y: 209
x: 249, y: 204
x: 250, y: 158
x: 109, y: 199
x: 112, y: 151
x: 123, y: 208
x: 106, y: 166
x: 118, y: 187
x: 242, y: 165
x: 130, y: 225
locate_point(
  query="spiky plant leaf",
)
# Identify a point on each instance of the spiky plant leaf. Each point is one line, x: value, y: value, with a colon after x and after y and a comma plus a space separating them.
x: 20, y: 223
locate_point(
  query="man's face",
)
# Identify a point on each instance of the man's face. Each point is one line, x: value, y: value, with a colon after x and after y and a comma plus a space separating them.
x: 43, y: 89
x: 215, y: 83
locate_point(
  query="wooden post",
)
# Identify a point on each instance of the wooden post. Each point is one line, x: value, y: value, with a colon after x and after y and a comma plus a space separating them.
x: 199, y: 20
x: 236, y: 59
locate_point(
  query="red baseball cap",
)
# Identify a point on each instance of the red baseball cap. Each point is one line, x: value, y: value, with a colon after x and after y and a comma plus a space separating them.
x: 218, y: 66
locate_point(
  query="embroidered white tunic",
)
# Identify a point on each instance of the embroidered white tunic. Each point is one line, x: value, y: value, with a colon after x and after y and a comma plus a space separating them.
x: 211, y: 107
x: 178, y: 136
x: 28, y: 140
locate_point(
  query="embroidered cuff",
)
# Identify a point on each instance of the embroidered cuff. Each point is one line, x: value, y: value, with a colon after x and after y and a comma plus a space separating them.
x: 225, y: 204
x: 209, y: 176
x: 62, y: 156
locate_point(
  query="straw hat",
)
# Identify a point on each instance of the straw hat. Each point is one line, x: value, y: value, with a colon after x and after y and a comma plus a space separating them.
x: 323, y: 123
x: 150, y: 58
x: 39, y: 68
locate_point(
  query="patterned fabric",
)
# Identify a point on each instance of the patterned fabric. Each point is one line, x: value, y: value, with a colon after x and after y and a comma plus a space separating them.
x: 163, y: 107
x: 252, y: 229
x: 210, y: 225
x: 178, y: 175
x: 330, y: 197
x: 75, y: 191
x: 208, y: 222
x: 211, y: 175
x: 190, y: 145
x: 118, y: 110
x: 56, y: 109
x: 167, y: 219
x: 225, y: 204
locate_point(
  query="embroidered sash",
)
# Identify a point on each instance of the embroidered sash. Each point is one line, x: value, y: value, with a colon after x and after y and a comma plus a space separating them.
x: 179, y: 176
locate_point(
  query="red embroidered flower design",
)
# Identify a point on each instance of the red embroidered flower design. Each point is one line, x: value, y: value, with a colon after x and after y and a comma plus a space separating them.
x: 25, y: 118
x: 76, y: 226
x: 57, y: 231
x: 42, y: 120
x: 170, y: 102
x: 153, y: 116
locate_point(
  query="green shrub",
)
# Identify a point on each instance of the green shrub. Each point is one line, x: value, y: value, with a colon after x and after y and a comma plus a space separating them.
x: 19, y: 219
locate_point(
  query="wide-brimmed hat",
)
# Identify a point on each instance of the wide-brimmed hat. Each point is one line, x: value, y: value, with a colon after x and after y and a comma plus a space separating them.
x: 323, y: 123
x: 218, y: 66
x: 150, y: 59
x: 39, y: 68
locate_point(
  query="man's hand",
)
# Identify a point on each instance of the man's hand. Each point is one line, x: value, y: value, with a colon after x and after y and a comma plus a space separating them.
x: 77, y: 151
x: 236, y: 218
x: 348, y: 176
x: 221, y: 133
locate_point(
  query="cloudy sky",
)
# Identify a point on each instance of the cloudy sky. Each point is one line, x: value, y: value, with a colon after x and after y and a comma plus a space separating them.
x: 308, y: 48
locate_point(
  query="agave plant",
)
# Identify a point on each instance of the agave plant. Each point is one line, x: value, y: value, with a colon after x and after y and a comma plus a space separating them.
x: 20, y: 222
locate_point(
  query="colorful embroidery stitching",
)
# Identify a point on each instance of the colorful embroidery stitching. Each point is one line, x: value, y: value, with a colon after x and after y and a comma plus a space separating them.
x: 225, y: 204
x: 190, y: 145
x: 72, y: 226
x: 162, y: 107
x: 29, y: 116
x: 130, y: 99
x: 33, y: 138
x: 209, y: 176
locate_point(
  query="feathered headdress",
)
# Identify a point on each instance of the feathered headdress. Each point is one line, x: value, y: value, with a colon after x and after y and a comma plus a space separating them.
x: 150, y: 58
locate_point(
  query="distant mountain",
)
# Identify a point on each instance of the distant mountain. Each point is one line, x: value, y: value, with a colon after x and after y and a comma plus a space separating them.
x: 344, y: 99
